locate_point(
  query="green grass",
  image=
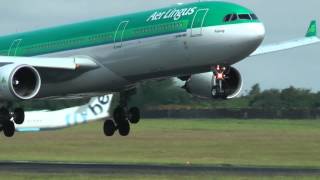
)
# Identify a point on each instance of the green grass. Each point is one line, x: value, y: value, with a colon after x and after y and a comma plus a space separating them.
x: 118, y: 176
x: 246, y: 143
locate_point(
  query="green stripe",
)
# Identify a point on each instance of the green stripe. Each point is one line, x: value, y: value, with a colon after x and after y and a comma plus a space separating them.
x: 103, y: 31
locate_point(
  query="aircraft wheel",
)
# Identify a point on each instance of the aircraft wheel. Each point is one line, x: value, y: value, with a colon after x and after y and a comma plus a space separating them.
x: 124, y: 128
x: 119, y: 115
x: 134, y: 115
x: 18, y: 115
x: 8, y: 129
x: 1, y: 127
x: 109, y: 128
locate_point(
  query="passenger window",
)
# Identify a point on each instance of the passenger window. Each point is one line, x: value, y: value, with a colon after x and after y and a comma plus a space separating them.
x: 244, y: 16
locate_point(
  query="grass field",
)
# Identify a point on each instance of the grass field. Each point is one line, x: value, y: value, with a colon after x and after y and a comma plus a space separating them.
x: 11, y: 176
x: 252, y: 142
x: 218, y: 142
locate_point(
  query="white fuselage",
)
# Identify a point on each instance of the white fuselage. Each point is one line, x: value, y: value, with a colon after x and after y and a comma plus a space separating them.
x: 161, y: 57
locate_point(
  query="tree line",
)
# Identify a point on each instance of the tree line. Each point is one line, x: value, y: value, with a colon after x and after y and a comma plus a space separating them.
x: 163, y: 94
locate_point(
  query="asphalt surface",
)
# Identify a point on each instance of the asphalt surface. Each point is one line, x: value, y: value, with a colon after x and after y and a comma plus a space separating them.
x: 46, y: 167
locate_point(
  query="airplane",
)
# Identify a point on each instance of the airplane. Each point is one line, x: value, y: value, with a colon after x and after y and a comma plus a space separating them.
x: 197, y: 43
x: 96, y: 109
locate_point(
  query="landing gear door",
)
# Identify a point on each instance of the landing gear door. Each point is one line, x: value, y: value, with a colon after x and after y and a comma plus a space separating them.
x: 118, y: 37
x: 14, y: 47
x: 198, y: 22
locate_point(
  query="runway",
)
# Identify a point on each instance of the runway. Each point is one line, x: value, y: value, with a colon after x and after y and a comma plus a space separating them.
x: 47, y: 167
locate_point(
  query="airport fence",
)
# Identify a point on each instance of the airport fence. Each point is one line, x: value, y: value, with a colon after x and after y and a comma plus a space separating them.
x: 234, y: 113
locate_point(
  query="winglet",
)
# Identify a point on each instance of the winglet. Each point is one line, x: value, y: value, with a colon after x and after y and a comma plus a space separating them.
x: 312, y: 31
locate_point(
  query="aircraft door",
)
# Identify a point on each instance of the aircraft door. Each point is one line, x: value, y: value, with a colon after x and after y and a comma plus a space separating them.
x: 14, y: 47
x: 118, y: 37
x: 198, y: 21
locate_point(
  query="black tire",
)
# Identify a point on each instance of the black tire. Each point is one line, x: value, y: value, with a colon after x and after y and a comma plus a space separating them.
x: 109, y: 128
x: 1, y: 127
x: 134, y: 115
x: 124, y: 128
x: 19, y: 116
x: 9, y: 129
x: 119, y: 115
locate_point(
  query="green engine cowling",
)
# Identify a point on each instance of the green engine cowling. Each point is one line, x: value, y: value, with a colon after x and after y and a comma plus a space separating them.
x: 19, y: 82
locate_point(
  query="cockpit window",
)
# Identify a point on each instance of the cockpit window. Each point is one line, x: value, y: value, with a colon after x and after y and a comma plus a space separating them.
x: 244, y: 16
x: 234, y: 17
x: 230, y: 17
x: 254, y: 17
x: 227, y: 18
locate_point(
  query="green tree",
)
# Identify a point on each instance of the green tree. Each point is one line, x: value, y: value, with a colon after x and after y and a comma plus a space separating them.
x: 297, y: 98
x: 164, y: 92
x: 255, y: 90
x: 268, y: 99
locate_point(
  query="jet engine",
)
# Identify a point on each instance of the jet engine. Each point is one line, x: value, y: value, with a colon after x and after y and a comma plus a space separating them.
x: 207, y: 85
x: 19, y: 82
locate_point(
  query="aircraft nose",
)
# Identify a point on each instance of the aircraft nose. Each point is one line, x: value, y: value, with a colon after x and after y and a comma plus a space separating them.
x: 254, y: 35
x: 259, y: 31
x: 254, y: 32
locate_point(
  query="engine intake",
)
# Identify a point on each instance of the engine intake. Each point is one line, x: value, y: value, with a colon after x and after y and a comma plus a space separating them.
x: 21, y: 82
x: 202, y: 85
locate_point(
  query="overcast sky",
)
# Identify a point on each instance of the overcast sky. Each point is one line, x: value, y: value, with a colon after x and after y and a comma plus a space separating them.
x: 285, y: 19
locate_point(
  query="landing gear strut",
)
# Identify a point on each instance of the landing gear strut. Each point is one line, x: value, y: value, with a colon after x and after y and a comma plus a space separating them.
x: 18, y: 116
x: 219, y: 76
x: 123, y: 116
x: 7, y: 120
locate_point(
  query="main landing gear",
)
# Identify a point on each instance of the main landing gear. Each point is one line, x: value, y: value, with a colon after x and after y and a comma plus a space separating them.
x: 7, y: 118
x: 219, y: 76
x: 123, y: 116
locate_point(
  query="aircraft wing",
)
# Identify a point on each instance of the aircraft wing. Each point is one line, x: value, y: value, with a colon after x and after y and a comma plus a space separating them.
x: 68, y: 63
x: 310, y: 38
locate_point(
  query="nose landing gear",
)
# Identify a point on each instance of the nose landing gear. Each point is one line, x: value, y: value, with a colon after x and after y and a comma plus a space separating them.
x: 123, y: 116
x: 7, y: 118
x: 219, y: 76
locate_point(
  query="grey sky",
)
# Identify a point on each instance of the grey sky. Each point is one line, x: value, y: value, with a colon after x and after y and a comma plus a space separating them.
x: 285, y: 19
